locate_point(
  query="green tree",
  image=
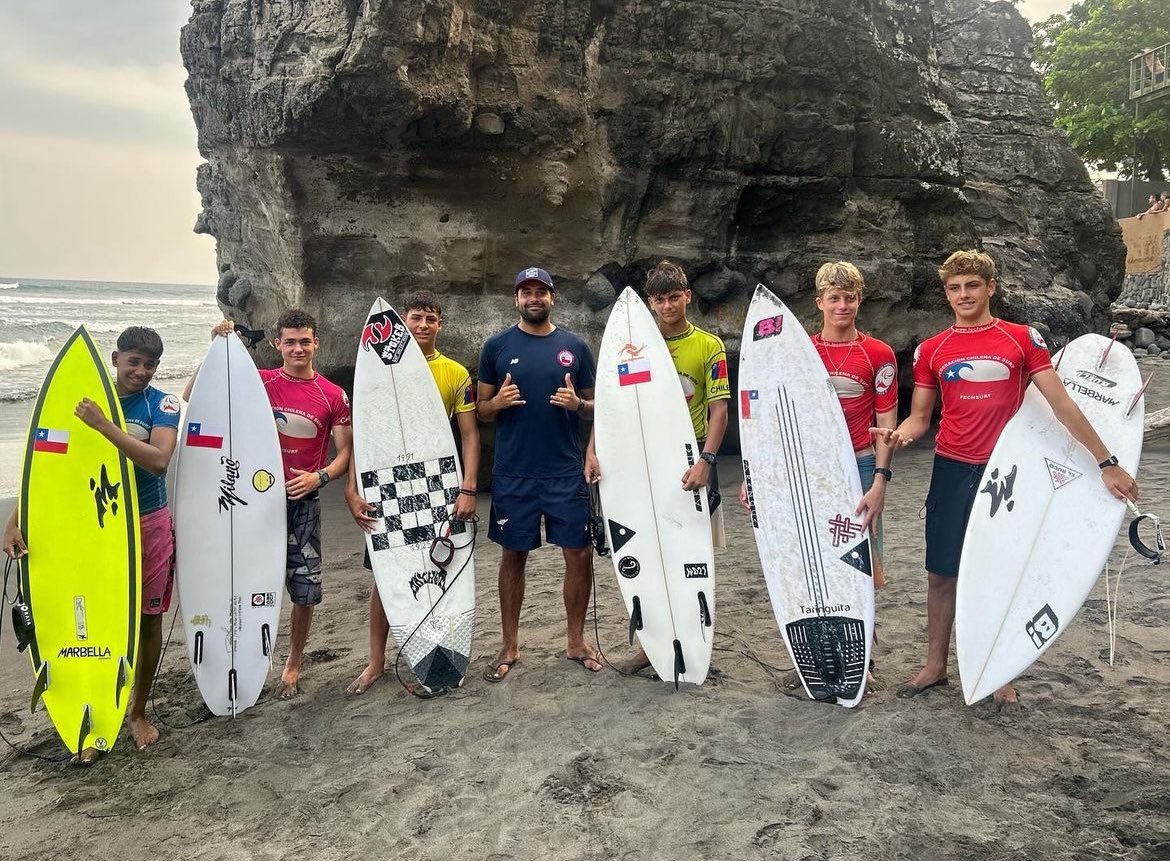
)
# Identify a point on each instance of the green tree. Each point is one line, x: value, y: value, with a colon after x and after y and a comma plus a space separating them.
x: 1083, y: 57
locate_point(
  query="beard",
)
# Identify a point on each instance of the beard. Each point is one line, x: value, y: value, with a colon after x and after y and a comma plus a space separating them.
x: 535, y: 316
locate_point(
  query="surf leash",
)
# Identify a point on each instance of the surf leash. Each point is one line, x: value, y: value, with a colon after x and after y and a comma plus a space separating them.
x: 22, y: 629
x: 1154, y: 554
x: 154, y: 686
x: 441, y: 553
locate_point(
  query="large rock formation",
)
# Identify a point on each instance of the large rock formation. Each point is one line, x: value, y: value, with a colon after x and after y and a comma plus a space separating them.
x: 364, y: 147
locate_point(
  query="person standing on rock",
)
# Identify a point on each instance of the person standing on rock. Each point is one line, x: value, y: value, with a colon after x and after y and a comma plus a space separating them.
x: 700, y: 360
x: 308, y: 410
x: 980, y: 367
x: 536, y: 383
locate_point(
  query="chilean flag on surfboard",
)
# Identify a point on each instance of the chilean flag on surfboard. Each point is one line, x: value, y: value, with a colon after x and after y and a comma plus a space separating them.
x: 633, y: 372
x: 199, y: 438
x: 51, y: 440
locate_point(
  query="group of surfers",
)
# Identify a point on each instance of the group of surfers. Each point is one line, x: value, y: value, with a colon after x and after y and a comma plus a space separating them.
x: 535, y: 381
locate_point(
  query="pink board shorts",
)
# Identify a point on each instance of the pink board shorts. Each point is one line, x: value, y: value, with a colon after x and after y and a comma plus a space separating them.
x: 158, y: 557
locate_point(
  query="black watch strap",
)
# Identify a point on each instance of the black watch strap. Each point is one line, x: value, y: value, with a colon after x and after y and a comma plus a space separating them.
x: 1108, y: 462
x: 323, y: 476
x: 882, y: 471
x: 709, y: 457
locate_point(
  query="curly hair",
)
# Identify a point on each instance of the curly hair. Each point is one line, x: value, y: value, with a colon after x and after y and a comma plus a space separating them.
x: 295, y: 318
x: 422, y: 300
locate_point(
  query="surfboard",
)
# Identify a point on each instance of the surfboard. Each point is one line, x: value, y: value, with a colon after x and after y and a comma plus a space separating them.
x: 408, y: 469
x: 230, y: 529
x: 1043, y: 524
x: 659, y: 534
x: 82, y: 577
x: 803, y: 489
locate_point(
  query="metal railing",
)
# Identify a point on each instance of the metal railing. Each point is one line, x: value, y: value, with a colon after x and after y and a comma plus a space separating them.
x: 1148, y: 72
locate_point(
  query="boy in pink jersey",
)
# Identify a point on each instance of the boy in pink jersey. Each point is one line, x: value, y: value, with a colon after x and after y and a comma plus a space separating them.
x: 308, y: 410
x: 981, y: 367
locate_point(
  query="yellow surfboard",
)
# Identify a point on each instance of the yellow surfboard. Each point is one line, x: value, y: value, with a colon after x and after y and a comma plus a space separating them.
x: 82, y: 577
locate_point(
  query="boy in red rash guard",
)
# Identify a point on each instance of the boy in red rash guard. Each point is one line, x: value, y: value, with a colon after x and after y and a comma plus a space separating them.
x: 980, y: 367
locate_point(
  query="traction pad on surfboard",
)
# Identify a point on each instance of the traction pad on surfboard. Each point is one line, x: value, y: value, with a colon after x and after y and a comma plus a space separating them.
x: 829, y: 652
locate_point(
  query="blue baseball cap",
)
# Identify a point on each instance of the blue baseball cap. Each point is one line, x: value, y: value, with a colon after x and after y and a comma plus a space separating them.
x: 533, y: 274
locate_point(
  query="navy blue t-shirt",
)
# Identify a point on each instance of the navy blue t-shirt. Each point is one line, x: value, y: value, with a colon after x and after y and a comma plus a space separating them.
x: 537, y: 439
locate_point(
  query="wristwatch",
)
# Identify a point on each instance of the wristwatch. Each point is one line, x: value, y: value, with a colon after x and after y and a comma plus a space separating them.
x: 324, y: 476
x: 580, y: 405
x: 1108, y: 462
x: 881, y: 470
x: 708, y: 457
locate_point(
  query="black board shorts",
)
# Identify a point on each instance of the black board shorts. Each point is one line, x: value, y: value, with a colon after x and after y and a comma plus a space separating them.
x: 953, y: 488
x: 303, y: 563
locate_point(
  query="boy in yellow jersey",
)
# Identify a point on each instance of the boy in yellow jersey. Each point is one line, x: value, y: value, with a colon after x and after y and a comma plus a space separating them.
x: 701, y: 362
x: 424, y: 319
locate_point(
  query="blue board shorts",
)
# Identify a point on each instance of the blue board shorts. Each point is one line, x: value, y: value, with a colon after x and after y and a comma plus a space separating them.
x: 518, y: 504
x: 953, y: 488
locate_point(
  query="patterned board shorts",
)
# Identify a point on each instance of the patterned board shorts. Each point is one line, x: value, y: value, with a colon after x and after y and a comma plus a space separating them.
x: 303, y: 564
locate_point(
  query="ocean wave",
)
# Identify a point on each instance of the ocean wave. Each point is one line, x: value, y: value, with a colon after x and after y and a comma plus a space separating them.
x: 209, y: 302
x: 166, y: 379
x: 19, y: 354
x: 6, y: 286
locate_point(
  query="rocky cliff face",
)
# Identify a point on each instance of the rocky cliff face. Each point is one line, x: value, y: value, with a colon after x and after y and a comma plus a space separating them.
x: 365, y: 147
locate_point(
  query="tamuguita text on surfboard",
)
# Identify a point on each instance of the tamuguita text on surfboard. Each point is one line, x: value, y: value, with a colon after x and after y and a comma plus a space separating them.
x: 824, y: 609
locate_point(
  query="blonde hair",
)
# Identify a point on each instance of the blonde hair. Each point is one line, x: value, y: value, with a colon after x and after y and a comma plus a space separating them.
x: 970, y: 262
x: 842, y: 276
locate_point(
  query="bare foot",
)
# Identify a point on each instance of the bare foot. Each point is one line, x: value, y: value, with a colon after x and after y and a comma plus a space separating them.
x: 142, y: 731
x: 1006, y: 701
x: 369, y: 675
x: 635, y: 664
x: 87, y: 757
x: 287, y: 689
x: 924, y: 681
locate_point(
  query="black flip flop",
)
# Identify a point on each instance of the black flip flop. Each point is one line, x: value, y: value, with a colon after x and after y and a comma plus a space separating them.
x: 492, y: 672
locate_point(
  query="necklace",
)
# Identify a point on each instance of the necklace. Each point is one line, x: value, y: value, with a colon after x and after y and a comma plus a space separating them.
x: 829, y: 346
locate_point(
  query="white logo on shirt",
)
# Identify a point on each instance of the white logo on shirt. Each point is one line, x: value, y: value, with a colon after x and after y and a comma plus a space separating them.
x: 514, y: 362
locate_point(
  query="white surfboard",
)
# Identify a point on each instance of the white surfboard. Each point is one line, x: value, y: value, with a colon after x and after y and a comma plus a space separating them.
x: 230, y: 532
x: 1043, y: 524
x: 803, y: 489
x: 409, y: 470
x: 659, y: 534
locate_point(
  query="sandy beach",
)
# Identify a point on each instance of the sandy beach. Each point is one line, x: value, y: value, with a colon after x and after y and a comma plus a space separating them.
x: 559, y: 763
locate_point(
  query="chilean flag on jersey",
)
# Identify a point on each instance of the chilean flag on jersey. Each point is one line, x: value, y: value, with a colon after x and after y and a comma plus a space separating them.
x: 197, y: 438
x: 633, y: 372
x: 719, y: 370
x: 51, y: 440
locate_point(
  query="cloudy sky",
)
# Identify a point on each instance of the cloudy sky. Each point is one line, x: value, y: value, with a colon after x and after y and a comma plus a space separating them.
x: 97, y: 146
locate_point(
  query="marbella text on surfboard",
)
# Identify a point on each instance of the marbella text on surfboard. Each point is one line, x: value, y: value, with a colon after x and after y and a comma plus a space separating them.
x: 806, y: 483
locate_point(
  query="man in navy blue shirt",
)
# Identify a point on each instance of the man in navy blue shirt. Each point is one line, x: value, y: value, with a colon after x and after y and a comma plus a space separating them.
x: 536, y: 383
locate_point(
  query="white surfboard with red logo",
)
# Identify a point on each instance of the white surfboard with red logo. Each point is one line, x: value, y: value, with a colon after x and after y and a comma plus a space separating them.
x: 408, y: 469
x: 659, y: 534
x: 1043, y: 524
x: 230, y: 535
x: 803, y: 489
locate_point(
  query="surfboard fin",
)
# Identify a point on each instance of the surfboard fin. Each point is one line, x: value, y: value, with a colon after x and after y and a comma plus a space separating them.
x: 704, y: 610
x: 42, y: 685
x: 197, y: 652
x: 232, y: 689
x: 680, y: 665
x: 1104, y: 353
x: 635, y: 618
x: 1138, y: 395
x: 86, y: 727
x: 266, y: 640
x: 123, y: 678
